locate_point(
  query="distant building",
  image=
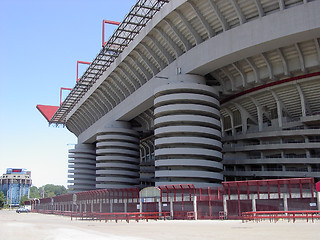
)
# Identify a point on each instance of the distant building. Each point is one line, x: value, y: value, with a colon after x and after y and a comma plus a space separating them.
x: 15, y: 183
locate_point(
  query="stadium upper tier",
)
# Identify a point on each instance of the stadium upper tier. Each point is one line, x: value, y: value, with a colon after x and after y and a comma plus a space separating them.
x: 207, y: 90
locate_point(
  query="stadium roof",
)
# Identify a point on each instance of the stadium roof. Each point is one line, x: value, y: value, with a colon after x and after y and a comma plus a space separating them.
x: 133, y: 22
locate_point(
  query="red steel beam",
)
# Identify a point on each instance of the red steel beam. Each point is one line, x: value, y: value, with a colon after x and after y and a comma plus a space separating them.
x: 61, y: 89
x: 103, y: 31
x: 80, y: 62
x: 270, y: 85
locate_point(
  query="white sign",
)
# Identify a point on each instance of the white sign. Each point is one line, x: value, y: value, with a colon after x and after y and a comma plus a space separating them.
x: 313, y: 204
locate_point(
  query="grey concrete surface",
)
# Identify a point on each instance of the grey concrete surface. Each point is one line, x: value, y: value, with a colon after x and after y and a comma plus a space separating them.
x: 14, y: 226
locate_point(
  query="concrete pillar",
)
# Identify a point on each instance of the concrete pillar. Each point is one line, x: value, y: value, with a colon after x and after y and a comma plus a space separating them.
x: 125, y: 205
x: 171, y: 208
x: 254, y: 205
x: 225, y: 207
x: 195, y: 208
x: 111, y: 205
x: 318, y: 200
x: 80, y: 207
x: 100, y: 207
x: 285, y: 202
x: 160, y: 205
x: 140, y: 204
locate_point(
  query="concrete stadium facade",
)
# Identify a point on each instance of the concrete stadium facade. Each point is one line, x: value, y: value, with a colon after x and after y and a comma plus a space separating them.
x: 208, y: 90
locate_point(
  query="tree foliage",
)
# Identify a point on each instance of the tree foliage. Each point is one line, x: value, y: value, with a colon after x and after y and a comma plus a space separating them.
x: 1, y: 199
x: 34, y: 192
x: 48, y: 190
x: 23, y: 199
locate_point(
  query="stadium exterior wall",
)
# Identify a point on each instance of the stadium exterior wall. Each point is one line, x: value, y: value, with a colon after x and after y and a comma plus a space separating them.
x: 208, y: 91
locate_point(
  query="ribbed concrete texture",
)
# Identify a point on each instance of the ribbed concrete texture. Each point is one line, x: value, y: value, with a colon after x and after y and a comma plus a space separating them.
x: 117, y: 151
x: 187, y: 132
x: 82, y: 166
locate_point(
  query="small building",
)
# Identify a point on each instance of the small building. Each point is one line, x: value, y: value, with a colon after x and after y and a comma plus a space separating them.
x: 15, y: 183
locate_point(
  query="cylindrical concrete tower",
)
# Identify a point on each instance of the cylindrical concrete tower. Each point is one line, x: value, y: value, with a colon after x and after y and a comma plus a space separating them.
x: 187, y: 133
x: 117, y: 156
x: 83, y: 167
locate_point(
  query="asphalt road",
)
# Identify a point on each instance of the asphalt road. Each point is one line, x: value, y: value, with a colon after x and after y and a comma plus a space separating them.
x: 33, y: 226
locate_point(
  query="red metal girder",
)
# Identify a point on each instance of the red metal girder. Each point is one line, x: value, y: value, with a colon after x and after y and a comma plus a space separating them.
x: 103, y: 29
x: 270, y: 85
x: 47, y: 111
x: 61, y: 89
x: 80, y: 62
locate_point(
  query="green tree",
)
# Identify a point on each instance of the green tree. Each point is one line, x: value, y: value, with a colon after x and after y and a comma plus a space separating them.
x: 51, y: 190
x: 34, y: 192
x: 1, y: 199
x: 23, y: 199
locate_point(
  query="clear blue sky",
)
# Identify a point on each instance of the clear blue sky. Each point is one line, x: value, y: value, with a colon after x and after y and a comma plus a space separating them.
x: 40, y: 43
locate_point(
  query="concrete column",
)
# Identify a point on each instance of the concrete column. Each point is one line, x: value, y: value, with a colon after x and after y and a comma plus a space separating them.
x: 140, y: 204
x: 111, y: 205
x: 195, y: 208
x: 285, y: 202
x: 125, y: 205
x: 160, y: 205
x: 318, y: 200
x: 225, y: 207
x: 171, y: 208
x: 100, y: 208
x: 80, y: 207
x: 254, y: 205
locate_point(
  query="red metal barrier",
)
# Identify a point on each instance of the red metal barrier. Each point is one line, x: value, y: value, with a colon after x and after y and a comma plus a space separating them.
x: 274, y: 216
x: 109, y: 216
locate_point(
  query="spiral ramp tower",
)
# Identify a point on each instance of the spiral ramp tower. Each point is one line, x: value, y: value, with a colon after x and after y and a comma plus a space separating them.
x: 82, y: 166
x: 117, y: 152
x: 187, y: 133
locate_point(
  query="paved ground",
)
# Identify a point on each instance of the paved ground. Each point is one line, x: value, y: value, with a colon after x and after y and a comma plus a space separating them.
x: 25, y: 226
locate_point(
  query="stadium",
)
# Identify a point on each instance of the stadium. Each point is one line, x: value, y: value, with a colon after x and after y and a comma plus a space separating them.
x: 196, y: 93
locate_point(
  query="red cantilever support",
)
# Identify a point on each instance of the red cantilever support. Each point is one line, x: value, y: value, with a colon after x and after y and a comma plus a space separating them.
x: 69, y: 89
x: 82, y: 62
x: 103, y: 33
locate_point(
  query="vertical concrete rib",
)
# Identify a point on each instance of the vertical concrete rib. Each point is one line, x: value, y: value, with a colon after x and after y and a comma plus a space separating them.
x: 117, y: 150
x: 82, y: 166
x: 187, y: 134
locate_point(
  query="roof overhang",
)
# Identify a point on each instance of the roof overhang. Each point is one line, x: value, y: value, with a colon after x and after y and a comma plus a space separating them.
x: 47, y: 111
